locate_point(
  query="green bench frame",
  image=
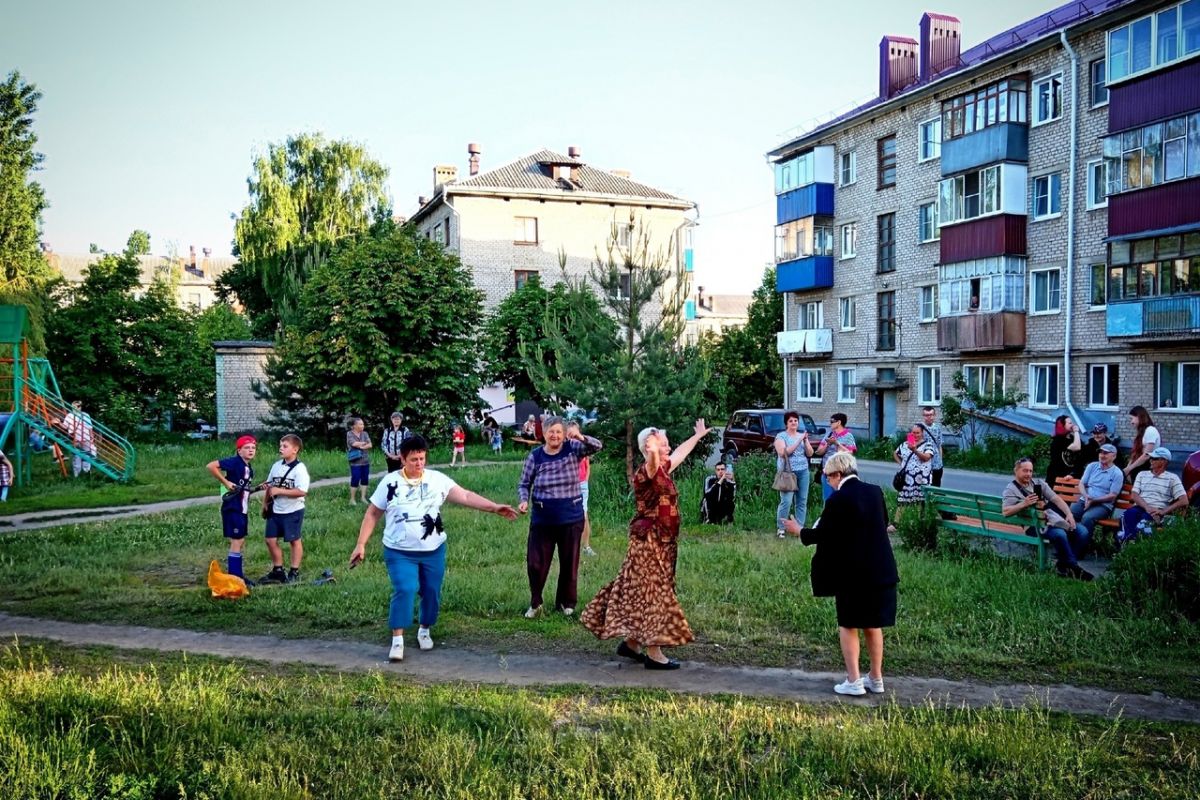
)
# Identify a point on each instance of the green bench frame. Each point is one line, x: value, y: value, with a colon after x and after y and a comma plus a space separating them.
x: 983, y: 515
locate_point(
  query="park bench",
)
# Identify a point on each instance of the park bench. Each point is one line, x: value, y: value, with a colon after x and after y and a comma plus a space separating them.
x: 530, y: 443
x: 1067, y: 487
x: 976, y: 514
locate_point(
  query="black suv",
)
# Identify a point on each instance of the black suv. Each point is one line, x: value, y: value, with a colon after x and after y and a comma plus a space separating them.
x: 752, y: 430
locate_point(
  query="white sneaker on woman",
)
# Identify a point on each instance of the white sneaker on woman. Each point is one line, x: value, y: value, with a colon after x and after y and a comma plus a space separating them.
x: 533, y: 613
x: 397, y: 651
x: 872, y: 685
x: 424, y: 640
x: 850, y: 687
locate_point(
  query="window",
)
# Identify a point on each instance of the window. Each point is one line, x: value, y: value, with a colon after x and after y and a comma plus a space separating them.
x: 847, y: 313
x: 983, y: 285
x: 1043, y: 385
x: 1098, y: 296
x: 1099, y: 89
x: 1044, y: 288
x: 994, y: 104
x: 985, y: 379
x: 886, y: 243
x: 1104, y: 385
x: 885, y: 331
x: 1047, y: 99
x: 1047, y: 196
x: 849, y: 239
x: 624, y: 235
x: 811, y: 317
x: 808, y: 385
x: 1177, y: 385
x: 930, y: 138
x: 1154, y: 40
x: 802, y: 238
x: 1167, y: 265
x: 929, y: 303
x: 927, y: 216
x: 887, y: 161
x: 929, y: 386
x: 194, y: 300
x: 622, y: 287
x: 439, y: 234
x: 525, y: 230
x: 1097, y: 185
x: 524, y: 276
x: 968, y: 196
x: 848, y: 168
x: 846, y: 384
x: 1153, y: 154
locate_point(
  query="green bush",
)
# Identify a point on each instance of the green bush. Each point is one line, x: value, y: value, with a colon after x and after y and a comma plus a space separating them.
x: 1159, y: 574
x: 917, y: 528
x: 998, y: 453
x: 879, y: 449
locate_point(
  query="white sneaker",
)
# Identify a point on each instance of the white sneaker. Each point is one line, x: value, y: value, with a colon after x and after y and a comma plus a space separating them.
x: 780, y: 534
x: 568, y: 611
x: 397, y: 651
x: 424, y: 640
x: 587, y: 551
x: 873, y: 685
x: 851, y: 687
x: 533, y: 613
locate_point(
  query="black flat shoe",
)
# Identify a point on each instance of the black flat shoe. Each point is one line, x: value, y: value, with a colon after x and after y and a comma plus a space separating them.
x: 625, y: 651
x: 670, y: 663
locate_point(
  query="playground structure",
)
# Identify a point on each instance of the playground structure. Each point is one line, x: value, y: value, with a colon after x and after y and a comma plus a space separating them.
x: 31, y: 403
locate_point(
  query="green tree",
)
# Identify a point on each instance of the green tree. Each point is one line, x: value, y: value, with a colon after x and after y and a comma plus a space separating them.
x: 746, y: 368
x: 637, y: 374
x: 305, y: 195
x: 388, y: 322
x: 139, y: 243
x: 968, y: 408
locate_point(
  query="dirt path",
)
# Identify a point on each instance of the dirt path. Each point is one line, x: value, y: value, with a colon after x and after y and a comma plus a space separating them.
x: 448, y: 663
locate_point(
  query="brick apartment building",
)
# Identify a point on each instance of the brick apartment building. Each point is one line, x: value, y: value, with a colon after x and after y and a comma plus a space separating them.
x: 1026, y: 211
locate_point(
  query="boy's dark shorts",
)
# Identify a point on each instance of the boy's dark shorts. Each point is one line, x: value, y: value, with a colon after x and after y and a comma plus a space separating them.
x: 235, y: 523
x: 285, y: 526
x: 360, y: 474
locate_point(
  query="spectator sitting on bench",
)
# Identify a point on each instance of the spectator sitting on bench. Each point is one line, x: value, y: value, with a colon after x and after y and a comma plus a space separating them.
x: 1156, y: 493
x: 1098, y: 490
x: 1026, y: 491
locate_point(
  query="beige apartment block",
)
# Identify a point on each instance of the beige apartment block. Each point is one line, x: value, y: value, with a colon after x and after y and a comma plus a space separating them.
x: 969, y: 218
x: 193, y: 277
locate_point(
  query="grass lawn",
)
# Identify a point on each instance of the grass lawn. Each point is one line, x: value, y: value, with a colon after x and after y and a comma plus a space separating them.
x: 176, y: 471
x: 99, y: 723
x: 745, y: 593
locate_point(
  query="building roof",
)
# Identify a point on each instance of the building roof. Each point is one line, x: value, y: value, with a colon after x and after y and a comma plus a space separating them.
x: 725, y: 305
x: 1028, y: 32
x: 72, y: 265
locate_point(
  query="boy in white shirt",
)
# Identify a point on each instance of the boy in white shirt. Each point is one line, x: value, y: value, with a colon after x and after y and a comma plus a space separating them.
x: 283, y: 508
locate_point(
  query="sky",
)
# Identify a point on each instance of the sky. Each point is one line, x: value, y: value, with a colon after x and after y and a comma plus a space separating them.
x: 153, y: 111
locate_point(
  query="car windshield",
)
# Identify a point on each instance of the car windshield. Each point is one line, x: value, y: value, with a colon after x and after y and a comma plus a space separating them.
x: 773, y: 422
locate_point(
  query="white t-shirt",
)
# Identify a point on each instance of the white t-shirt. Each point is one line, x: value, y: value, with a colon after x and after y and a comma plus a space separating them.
x: 1151, y: 439
x: 405, y: 507
x: 296, y: 479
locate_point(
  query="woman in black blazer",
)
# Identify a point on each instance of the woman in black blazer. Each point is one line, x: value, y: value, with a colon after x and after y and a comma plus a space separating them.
x: 854, y: 565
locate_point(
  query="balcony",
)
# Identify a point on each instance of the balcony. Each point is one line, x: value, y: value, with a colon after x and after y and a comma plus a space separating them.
x: 995, y: 235
x: 1167, y: 205
x: 815, y: 199
x: 1177, y: 317
x: 804, y: 274
x: 812, y: 343
x: 1008, y: 141
x: 982, y: 332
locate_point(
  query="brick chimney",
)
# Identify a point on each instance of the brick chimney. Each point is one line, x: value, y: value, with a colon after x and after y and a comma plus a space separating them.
x: 443, y: 173
x: 473, y: 153
x: 941, y: 43
x: 897, y: 64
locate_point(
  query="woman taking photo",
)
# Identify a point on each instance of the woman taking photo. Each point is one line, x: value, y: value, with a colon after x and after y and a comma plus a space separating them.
x: 1145, y: 438
x: 1064, y: 450
x: 639, y: 605
x: 793, y: 449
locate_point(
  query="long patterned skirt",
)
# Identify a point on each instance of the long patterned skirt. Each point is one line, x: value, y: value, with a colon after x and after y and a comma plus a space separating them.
x: 640, y: 602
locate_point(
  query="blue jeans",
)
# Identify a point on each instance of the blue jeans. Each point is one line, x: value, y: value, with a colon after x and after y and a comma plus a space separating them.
x: 799, y: 498
x: 1129, y: 523
x: 826, y: 489
x: 414, y: 572
x: 1086, y: 522
x: 1065, y: 545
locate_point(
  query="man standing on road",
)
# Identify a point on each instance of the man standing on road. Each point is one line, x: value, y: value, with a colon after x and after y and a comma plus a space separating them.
x: 933, y: 435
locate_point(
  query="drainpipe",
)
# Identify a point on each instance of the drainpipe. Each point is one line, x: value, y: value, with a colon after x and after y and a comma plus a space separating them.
x: 1071, y: 180
x: 784, y: 358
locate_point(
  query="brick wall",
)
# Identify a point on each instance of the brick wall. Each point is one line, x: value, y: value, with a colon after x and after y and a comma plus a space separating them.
x: 238, y: 364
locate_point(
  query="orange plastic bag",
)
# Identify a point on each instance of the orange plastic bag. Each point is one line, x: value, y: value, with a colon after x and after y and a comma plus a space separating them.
x: 224, y: 585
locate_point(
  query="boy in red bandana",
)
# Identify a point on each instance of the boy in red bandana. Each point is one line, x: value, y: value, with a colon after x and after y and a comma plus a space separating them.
x: 238, y: 480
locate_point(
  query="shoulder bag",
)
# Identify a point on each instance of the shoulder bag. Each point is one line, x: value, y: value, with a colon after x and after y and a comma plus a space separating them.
x: 899, y: 478
x: 785, y: 477
x: 268, y: 509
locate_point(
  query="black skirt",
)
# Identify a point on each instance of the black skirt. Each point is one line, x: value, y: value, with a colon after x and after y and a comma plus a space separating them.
x: 867, y: 607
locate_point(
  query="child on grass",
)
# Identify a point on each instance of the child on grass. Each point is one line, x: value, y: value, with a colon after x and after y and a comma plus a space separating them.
x: 286, y: 488
x: 497, y: 440
x: 6, y: 476
x: 237, y: 476
x: 460, y: 445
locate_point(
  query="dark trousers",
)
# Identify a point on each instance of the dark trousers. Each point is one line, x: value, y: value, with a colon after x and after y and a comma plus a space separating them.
x: 937, y: 477
x: 394, y: 464
x: 543, y: 539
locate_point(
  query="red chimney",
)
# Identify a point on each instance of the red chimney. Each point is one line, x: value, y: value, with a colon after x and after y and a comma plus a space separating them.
x: 474, y: 150
x: 941, y: 43
x: 897, y: 64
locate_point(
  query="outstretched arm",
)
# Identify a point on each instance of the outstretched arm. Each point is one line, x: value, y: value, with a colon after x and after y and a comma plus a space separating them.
x: 365, y: 529
x: 469, y: 499
x: 685, y: 449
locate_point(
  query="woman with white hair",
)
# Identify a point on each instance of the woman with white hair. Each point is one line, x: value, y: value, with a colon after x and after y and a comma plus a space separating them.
x: 639, y: 605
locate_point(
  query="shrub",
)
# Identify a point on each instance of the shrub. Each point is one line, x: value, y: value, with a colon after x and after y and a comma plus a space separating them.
x: 997, y: 454
x: 1160, y: 573
x: 879, y: 449
x: 917, y: 528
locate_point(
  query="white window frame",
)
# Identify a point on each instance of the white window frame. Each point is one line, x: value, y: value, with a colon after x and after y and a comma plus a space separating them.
x: 1053, y: 369
x: 932, y: 289
x: 1035, y: 91
x: 1050, y: 179
x: 804, y: 387
x: 851, y: 159
x: 852, y: 229
x: 997, y: 372
x: 1177, y: 399
x: 846, y: 388
x: 1093, y: 181
x: 809, y: 311
x: 1109, y: 402
x: 1155, y: 64
x: 523, y: 222
x: 1033, y: 273
x: 1092, y: 83
x: 932, y: 205
x: 935, y: 383
x: 935, y: 144
x: 847, y: 303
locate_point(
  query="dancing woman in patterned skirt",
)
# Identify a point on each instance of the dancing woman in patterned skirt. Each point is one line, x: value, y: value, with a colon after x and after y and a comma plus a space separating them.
x: 639, y: 605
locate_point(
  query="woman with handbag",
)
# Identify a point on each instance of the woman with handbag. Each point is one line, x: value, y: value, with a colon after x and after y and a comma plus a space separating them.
x: 793, y: 450
x: 915, y: 457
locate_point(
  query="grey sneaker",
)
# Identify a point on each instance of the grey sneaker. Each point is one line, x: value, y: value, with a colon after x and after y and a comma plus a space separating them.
x: 533, y: 613
x: 849, y: 687
x: 588, y: 551
x: 872, y: 685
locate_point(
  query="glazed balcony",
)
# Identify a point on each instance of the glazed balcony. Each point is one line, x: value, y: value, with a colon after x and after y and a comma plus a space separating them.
x: 1007, y: 141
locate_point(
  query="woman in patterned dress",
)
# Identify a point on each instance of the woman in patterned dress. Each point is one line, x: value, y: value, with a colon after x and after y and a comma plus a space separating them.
x: 915, y: 457
x: 639, y: 605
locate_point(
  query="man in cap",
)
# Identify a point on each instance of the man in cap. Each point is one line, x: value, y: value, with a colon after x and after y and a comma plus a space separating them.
x: 1098, y: 490
x: 1090, y: 452
x: 1156, y: 494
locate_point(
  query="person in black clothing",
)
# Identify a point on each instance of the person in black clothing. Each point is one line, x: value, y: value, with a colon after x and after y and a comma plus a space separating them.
x: 1064, y: 448
x: 1090, y: 452
x: 717, y: 504
x: 854, y: 564
x: 394, y: 436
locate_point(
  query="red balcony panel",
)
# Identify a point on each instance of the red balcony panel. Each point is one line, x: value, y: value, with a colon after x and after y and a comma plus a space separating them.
x: 1166, y: 93
x: 1167, y: 205
x: 999, y: 235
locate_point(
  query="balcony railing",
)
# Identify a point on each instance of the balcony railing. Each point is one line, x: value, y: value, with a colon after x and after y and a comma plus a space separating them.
x: 809, y: 343
x: 1154, y: 316
x: 804, y: 274
x: 982, y: 331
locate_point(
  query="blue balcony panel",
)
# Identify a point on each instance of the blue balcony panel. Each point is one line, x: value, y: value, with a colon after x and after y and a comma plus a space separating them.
x: 1008, y: 141
x: 1177, y: 316
x: 688, y: 263
x: 816, y: 199
x: 803, y: 274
